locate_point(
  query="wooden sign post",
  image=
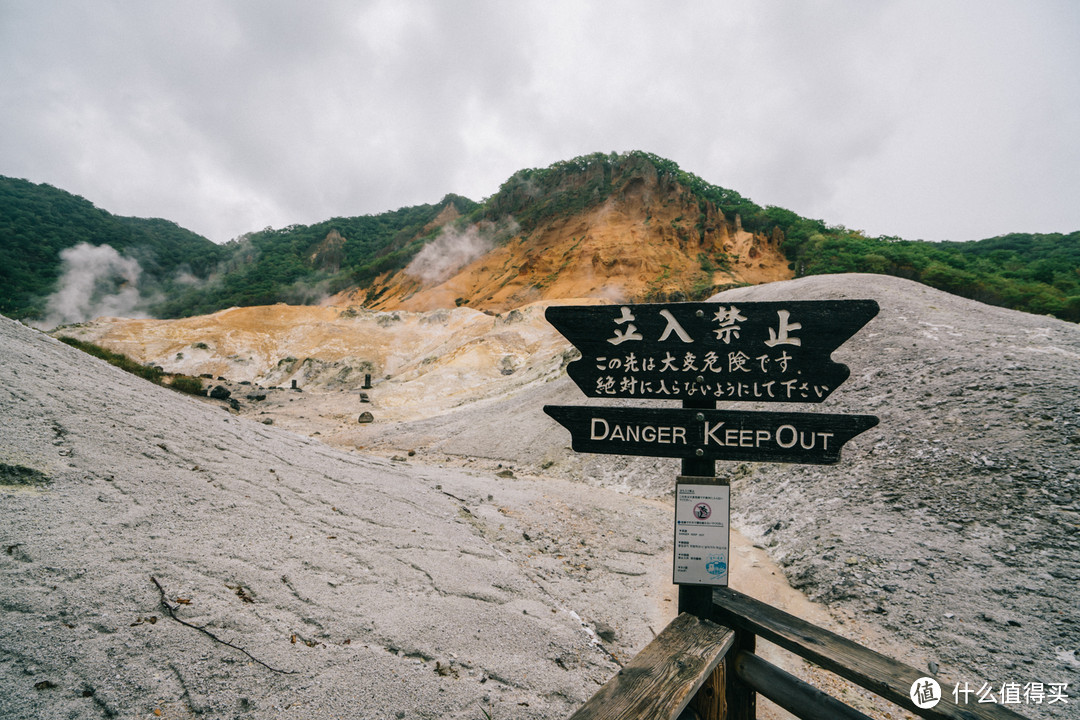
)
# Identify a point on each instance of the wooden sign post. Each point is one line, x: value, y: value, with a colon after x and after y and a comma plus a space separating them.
x: 701, y: 354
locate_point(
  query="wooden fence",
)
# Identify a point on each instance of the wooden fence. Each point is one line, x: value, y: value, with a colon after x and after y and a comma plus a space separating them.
x: 703, y: 667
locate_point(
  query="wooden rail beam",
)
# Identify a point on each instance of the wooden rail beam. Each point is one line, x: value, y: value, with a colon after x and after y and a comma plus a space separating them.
x: 662, y: 679
x: 881, y: 675
x: 789, y: 692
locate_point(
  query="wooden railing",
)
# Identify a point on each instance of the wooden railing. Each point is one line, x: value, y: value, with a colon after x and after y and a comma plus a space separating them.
x: 705, y: 669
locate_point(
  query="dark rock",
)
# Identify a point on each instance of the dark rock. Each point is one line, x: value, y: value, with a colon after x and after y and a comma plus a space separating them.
x: 604, y: 631
x: 365, y: 417
x: 220, y: 392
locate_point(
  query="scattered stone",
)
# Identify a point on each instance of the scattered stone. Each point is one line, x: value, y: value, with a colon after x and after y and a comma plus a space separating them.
x: 20, y: 475
x: 365, y: 417
x: 220, y: 392
x: 604, y: 631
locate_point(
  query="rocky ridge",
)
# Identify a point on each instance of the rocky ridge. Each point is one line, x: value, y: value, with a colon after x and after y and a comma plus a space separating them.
x: 680, y: 241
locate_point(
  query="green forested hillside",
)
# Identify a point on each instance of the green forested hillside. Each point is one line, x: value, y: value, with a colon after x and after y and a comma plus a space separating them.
x: 188, y: 274
x: 1034, y: 273
x: 301, y: 263
x: 535, y: 195
x: 38, y: 221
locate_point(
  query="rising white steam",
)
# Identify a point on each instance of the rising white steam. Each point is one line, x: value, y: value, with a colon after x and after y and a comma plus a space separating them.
x: 447, y: 253
x: 454, y: 248
x: 94, y: 281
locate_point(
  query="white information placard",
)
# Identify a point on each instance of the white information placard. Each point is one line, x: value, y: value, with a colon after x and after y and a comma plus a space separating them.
x: 702, y: 524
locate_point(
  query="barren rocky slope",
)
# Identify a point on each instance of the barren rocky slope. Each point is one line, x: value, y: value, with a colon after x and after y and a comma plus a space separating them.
x: 955, y: 522
x: 957, y: 519
x: 585, y: 256
x: 680, y: 241
x: 953, y: 525
x: 328, y: 584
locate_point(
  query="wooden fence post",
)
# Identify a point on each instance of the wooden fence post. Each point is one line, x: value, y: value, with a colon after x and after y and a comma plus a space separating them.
x: 741, y: 699
x: 697, y: 599
x: 710, y: 701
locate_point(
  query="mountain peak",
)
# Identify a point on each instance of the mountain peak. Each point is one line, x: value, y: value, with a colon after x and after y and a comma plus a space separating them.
x: 627, y: 227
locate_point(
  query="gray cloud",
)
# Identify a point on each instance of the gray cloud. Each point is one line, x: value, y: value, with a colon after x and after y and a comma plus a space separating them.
x: 934, y: 120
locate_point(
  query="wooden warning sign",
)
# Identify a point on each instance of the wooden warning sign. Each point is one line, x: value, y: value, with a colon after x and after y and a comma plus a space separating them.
x: 701, y: 354
x: 745, y: 352
x: 813, y: 438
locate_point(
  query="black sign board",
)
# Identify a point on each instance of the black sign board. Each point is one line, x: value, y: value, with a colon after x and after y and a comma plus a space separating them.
x: 753, y: 351
x: 814, y: 438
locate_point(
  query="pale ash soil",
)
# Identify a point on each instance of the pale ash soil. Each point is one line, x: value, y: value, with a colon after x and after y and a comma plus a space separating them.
x: 348, y: 586
x: 957, y: 519
x: 954, y: 525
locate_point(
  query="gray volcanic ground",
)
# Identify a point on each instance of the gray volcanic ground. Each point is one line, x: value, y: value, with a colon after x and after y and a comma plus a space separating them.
x: 375, y: 587
x: 345, y: 586
x: 957, y: 519
x: 955, y: 523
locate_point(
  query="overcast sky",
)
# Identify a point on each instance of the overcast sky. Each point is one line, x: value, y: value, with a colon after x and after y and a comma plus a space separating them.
x: 933, y: 120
